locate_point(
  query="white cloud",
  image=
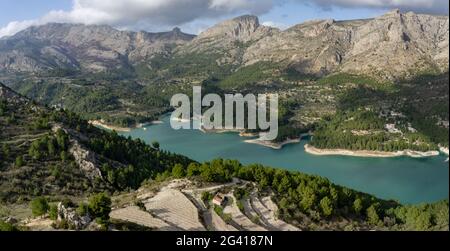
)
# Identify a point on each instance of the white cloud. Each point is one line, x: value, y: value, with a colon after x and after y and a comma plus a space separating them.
x: 421, y: 6
x: 149, y: 13
x: 14, y: 27
x: 273, y: 24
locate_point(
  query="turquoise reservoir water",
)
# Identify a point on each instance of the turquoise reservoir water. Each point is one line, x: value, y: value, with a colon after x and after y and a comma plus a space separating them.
x: 403, y: 179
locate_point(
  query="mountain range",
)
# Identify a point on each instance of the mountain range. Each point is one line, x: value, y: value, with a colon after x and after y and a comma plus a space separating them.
x: 391, y: 46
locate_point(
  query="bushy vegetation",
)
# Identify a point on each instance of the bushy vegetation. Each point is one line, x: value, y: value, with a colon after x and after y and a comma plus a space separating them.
x: 94, y: 99
x: 227, y: 218
x: 364, y: 130
x: 3, y: 107
x: 7, y: 227
x: 193, y: 65
x: 100, y: 207
x: 345, y: 78
x: 299, y: 195
x: 141, y: 160
x: 50, y: 146
x: 39, y: 206
x: 248, y: 76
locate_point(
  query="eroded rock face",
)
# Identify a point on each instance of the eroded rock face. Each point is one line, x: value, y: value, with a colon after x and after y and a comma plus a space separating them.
x: 86, y: 160
x: 228, y: 39
x: 72, y: 218
x: 80, y: 47
x: 244, y: 29
x: 387, y: 46
x: 390, y: 46
x: 395, y: 43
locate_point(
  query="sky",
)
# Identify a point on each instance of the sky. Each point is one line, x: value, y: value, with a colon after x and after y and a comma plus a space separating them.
x: 194, y: 16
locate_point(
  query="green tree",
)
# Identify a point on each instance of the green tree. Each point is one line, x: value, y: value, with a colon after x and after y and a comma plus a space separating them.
x: 178, y: 171
x: 35, y: 150
x: 156, y: 145
x: 39, y: 206
x: 3, y: 107
x: 372, y: 215
x: 207, y: 197
x: 5, y: 150
x: 326, y: 206
x: 51, y: 148
x: 193, y: 170
x: 64, y: 156
x: 358, y: 206
x: 19, y: 161
x: 100, y: 207
x: 53, y: 212
x: 308, y: 199
x: 62, y: 139
x: 285, y: 183
x: 83, y: 209
x: 423, y: 221
x: 6, y: 227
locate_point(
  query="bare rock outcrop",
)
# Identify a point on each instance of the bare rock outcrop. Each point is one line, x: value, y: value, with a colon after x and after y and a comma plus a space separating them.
x: 90, y: 48
x: 72, y: 218
x: 86, y: 160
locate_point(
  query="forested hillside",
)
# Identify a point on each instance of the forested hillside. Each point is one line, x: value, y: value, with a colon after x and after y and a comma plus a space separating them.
x: 54, y: 154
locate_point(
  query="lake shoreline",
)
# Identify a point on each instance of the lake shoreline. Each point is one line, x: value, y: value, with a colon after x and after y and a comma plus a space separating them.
x: 404, y: 179
x: 444, y: 150
x: 103, y: 124
x: 370, y: 154
x: 273, y: 145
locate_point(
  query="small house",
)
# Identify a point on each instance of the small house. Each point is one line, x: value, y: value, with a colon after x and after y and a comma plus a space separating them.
x: 220, y: 200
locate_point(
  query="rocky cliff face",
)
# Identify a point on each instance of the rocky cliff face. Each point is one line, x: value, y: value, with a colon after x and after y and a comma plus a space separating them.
x: 229, y: 39
x: 398, y: 43
x: 80, y: 47
x: 388, y: 46
x: 393, y: 45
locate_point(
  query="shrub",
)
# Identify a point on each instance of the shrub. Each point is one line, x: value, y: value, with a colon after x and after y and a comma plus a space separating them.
x: 7, y: 227
x: 19, y: 161
x: 83, y: 209
x: 39, y: 206
x: 53, y: 212
x: 100, y: 207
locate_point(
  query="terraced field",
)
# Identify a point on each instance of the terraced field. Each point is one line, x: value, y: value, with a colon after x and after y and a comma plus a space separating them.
x: 175, y: 209
x: 239, y: 218
x: 268, y: 215
x: 135, y: 215
x: 178, y: 206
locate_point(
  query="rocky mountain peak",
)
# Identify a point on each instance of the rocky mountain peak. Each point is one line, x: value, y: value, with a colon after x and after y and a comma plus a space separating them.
x: 241, y: 28
x: 394, y: 12
x: 248, y: 20
x: 93, y: 48
x: 313, y: 28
